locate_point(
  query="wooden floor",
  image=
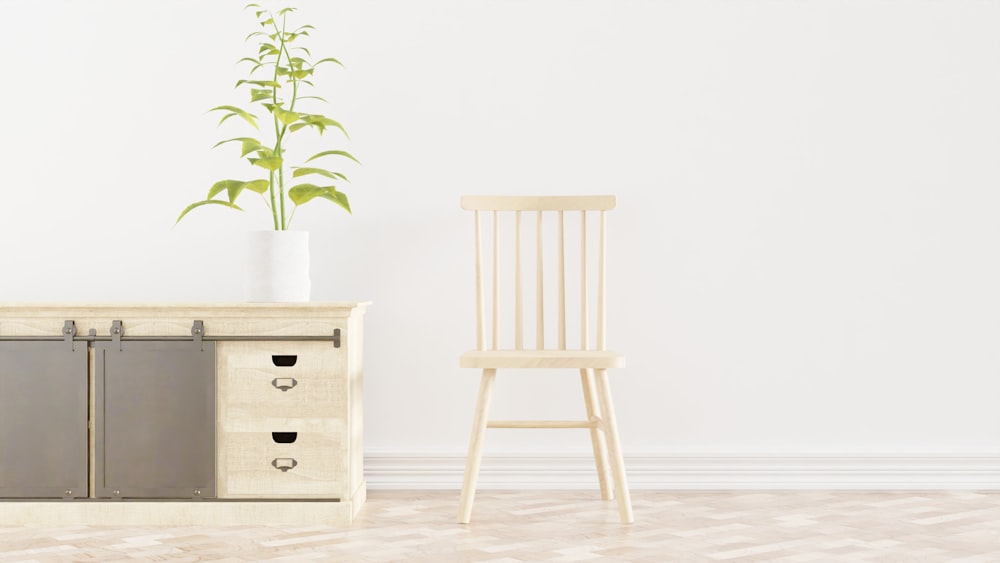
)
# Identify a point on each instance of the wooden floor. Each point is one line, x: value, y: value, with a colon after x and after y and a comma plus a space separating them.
x: 572, y: 526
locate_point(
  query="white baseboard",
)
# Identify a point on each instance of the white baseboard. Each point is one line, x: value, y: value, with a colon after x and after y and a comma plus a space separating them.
x: 423, y: 471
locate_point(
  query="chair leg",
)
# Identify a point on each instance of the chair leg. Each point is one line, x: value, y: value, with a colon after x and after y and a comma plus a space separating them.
x: 475, y: 455
x: 596, y: 434
x: 614, y: 447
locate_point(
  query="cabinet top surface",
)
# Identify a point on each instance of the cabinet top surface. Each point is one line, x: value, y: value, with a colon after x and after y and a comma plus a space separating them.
x: 341, y: 307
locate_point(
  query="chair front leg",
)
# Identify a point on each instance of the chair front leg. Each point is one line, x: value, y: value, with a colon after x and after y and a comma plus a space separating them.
x: 614, y: 447
x: 475, y: 455
x: 596, y: 434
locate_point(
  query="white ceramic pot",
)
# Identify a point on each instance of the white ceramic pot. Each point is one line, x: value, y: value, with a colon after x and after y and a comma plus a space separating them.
x: 278, y: 266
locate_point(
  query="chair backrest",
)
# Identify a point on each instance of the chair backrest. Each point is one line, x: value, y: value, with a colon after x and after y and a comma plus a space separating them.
x: 556, y: 207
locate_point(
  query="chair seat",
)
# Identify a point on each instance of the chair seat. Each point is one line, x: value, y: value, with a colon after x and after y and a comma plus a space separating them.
x: 594, y: 359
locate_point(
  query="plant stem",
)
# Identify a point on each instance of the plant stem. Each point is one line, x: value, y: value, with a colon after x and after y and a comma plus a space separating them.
x: 277, y: 141
x: 271, y: 189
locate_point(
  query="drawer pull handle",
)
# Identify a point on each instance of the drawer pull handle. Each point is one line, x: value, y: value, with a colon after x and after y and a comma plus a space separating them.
x: 284, y: 383
x: 284, y: 463
x: 284, y: 437
x: 284, y: 361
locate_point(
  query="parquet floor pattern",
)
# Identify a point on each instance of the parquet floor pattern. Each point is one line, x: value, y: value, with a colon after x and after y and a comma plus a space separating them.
x: 571, y: 526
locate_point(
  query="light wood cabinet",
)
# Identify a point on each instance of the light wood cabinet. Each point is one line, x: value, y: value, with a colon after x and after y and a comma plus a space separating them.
x: 249, y: 413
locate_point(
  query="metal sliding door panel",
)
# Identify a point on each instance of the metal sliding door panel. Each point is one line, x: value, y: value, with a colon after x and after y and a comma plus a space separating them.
x: 43, y: 420
x: 155, y: 419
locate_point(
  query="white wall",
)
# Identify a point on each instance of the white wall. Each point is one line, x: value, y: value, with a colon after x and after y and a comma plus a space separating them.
x: 804, y: 254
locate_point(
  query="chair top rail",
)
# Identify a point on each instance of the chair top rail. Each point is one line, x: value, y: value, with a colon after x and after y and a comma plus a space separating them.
x: 538, y: 203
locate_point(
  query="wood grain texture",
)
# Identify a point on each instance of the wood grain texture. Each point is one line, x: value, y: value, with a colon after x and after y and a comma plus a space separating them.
x: 542, y: 424
x: 539, y: 203
x: 325, y: 408
x: 221, y: 319
x: 475, y: 455
x: 354, y: 340
x: 542, y: 359
x: 597, y: 441
x: 689, y: 526
x: 604, y: 437
x: 249, y: 401
x: 177, y: 513
x: 246, y: 470
x: 610, y: 426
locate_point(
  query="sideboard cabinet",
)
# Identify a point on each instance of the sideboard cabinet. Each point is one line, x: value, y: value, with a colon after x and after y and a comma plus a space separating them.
x: 181, y: 413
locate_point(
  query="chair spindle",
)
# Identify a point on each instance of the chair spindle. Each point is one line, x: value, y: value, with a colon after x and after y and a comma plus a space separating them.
x: 562, y: 287
x: 600, y: 286
x: 496, y: 279
x: 539, y: 297
x: 518, y: 318
x: 480, y: 310
x: 584, y: 336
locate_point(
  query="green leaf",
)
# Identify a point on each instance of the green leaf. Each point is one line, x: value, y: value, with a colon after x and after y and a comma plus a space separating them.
x: 328, y: 60
x: 254, y: 34
x: 307, y: 26
x: 257, y: 95
x: 308, y: 54
x: 313, y: 98
x: 305, y: 171
x: 304, y: 192
x: 259, y: 186
x: 322, y: 122
x: 249, y: 145
x: 286, y: 117
x: 267, y: 22
x: 286, y: 10
x: 250, y: 59
x: 299, y: 74
x: 261, y: 83
x: 337, y: 153
x: 249, y: 117
x: 225, y: 185
x: 299, y: 125
x: 206, y: 202
x: 340, y: 198
x: 268, y: 163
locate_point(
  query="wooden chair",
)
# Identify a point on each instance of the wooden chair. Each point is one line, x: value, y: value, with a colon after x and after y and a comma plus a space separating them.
x: 592, y: 362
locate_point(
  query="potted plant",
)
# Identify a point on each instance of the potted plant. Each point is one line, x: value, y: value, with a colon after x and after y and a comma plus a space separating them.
x: 279, y: 74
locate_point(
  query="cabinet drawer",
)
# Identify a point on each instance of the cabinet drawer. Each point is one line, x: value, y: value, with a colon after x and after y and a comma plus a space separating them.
x: 255, y: 394
x: 252, y: 465
x: 283, y: 358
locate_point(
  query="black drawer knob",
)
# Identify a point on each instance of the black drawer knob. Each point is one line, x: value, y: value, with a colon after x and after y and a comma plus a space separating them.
x: 285, y: 361
x: 284, y: 437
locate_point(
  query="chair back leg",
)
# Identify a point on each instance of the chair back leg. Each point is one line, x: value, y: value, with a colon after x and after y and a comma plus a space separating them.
x: 596, y: 434
x: 614, y: 447
x: 475, y: 455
